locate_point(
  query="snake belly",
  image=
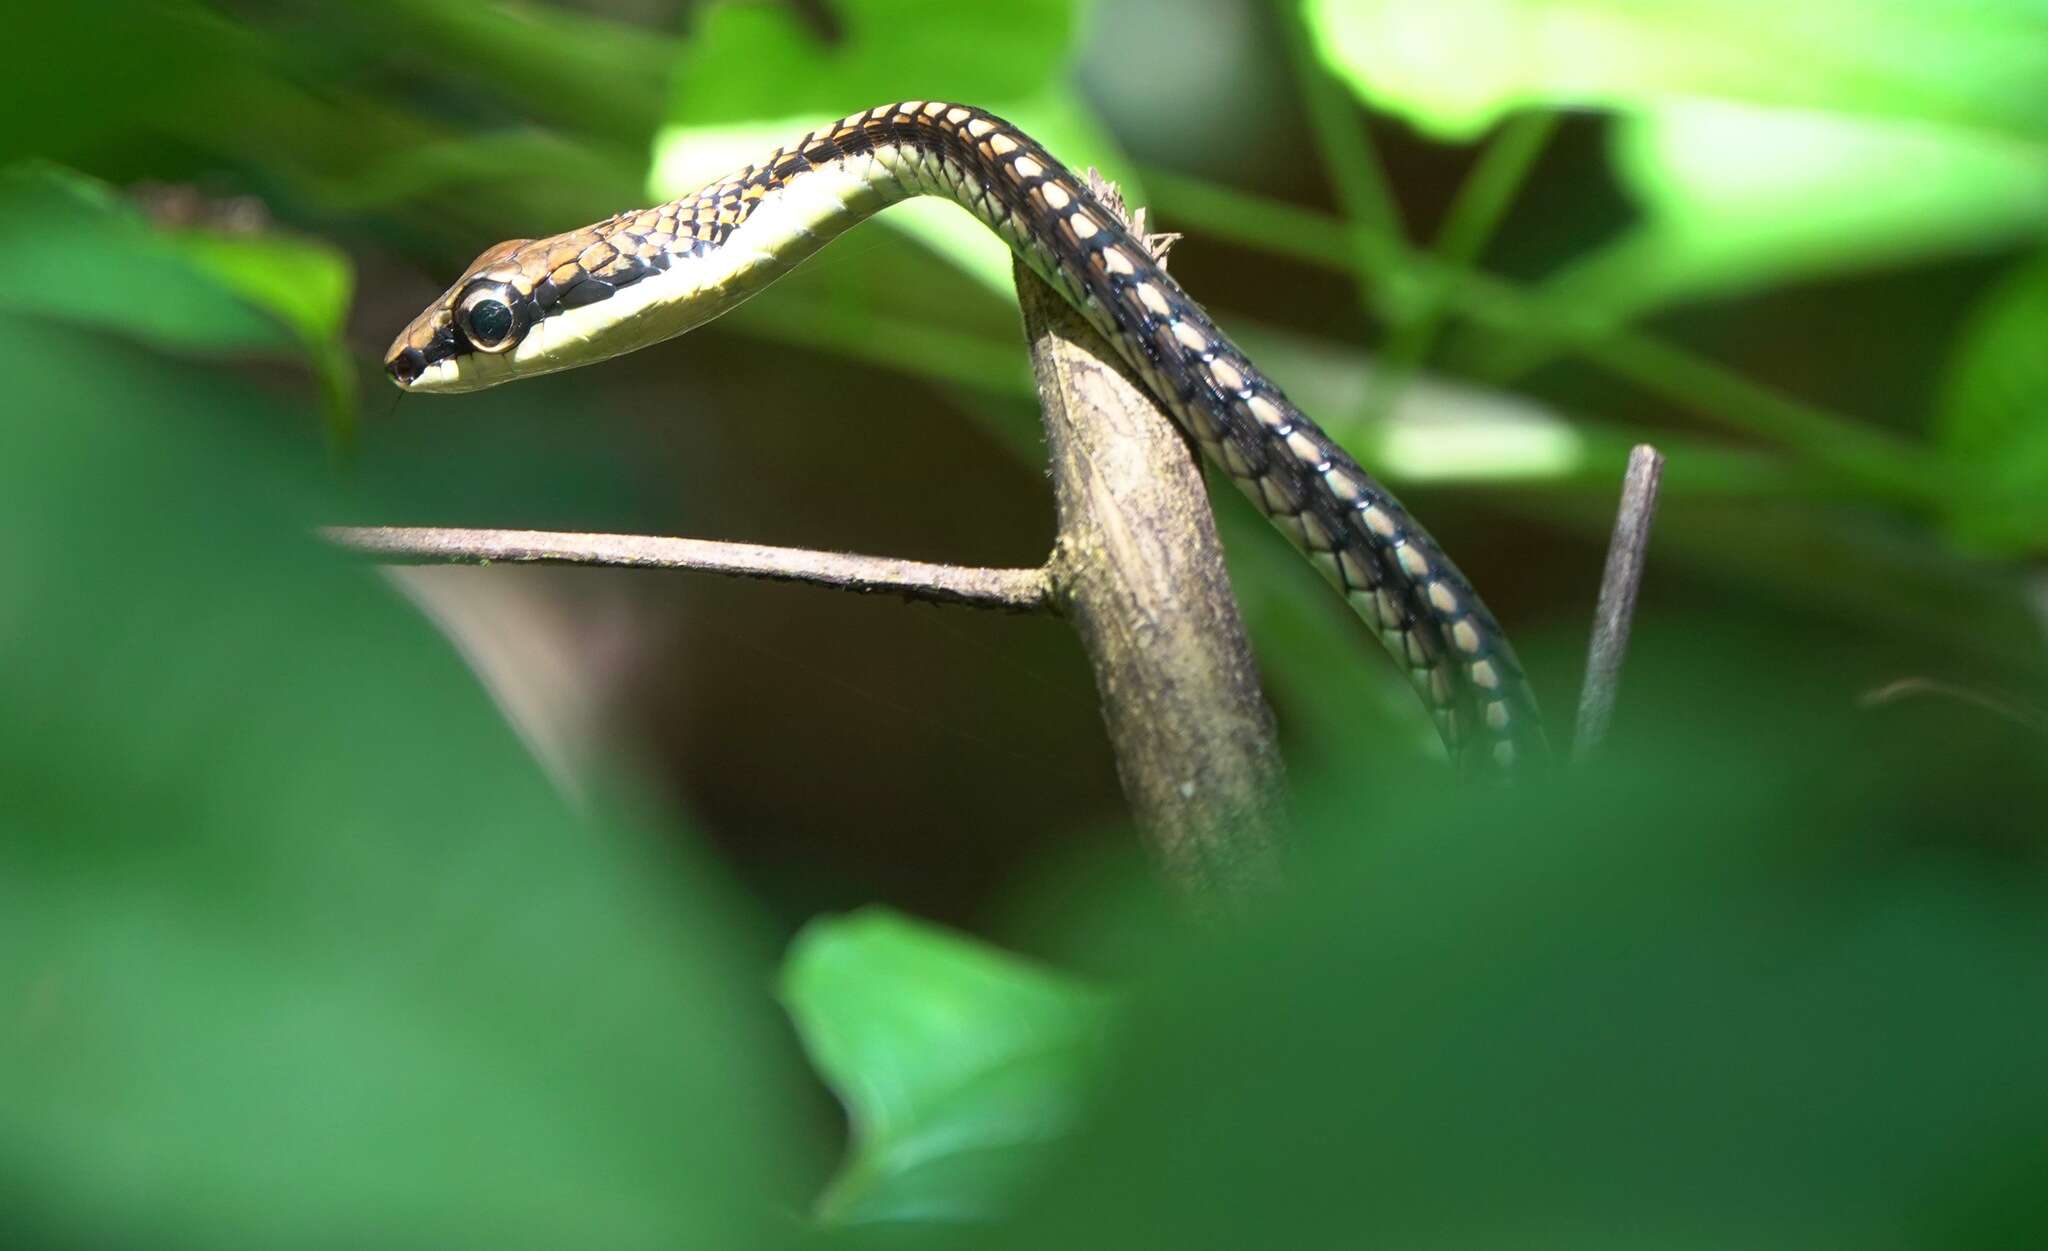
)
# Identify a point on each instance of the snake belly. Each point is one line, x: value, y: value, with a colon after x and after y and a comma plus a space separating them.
x: 660, y: 271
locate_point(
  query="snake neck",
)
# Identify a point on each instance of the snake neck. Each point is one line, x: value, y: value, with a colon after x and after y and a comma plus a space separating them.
x: 764, y: 220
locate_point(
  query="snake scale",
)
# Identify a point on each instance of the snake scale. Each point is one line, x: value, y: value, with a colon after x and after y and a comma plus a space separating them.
x: 528, y: 307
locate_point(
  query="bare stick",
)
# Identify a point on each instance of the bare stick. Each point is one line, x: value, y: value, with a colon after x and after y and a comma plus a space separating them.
x: 1140, y: 570
x: 1012, y: 590
x: 2000, y: 704
x: 1618, y: 584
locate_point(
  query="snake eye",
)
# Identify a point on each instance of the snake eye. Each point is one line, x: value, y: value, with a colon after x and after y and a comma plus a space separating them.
x: 489, y: 317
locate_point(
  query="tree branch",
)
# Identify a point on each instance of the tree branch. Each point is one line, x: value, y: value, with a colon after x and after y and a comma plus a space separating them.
x: 1619, y: 582
x: 1137, y: 566
x: 1140, y: 570
x: 1011, y: 590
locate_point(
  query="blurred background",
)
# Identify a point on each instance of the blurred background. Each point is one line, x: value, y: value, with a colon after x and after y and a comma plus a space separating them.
x: 335, y: 847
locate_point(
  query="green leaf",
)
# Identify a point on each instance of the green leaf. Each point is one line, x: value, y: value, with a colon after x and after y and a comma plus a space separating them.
x: 879, y: 50
x: 960, y: 1066
x: 1764, y: 141
x: 302, y: 948
x: 305, y: 284
x: 1010, y: 59
x: 1456, y: 67
x: 81, y: 254
x: 1738, y: 198
x: 1770, y: 979
x: 85, y: 256
x: 1994, y: 413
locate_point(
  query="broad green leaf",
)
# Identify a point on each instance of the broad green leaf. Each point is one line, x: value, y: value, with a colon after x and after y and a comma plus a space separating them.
x: 303, y: 283
x: 1455, y: 67
x: 85, y: 256
x: 1770, y: 980
x: 1764, y: 141
x: 1010, y: 59
x: 1994, y: 413
x: 301, y: 947
x: 581, y: 66
x: 80, y: 254
x: 960, y: 1066
x: 876, y: 51
x: 1738, y: 197
x: 1734, y: 192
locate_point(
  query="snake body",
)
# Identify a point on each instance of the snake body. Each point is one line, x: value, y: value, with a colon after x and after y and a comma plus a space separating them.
x: 534, y: 306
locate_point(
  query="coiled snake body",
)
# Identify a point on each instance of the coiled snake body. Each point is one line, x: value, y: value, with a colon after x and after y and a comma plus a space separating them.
x: 528, y: 307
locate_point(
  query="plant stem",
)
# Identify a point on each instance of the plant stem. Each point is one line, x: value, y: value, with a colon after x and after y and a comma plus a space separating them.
x: 1482, y: 200
x: 1879, y: 462
x: 1346, y: 147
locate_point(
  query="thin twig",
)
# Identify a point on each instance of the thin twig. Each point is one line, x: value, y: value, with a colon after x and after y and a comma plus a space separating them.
x: 1617, y: 607
x: 2010, y: 707
x: 1350, y: 159
x: 1477, y: 208
x: 1011, y: 590
x: 1346, y: 146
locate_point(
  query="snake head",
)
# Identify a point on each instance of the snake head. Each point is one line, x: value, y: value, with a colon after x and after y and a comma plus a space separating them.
x: 485, y: 314
x: 534, y: 306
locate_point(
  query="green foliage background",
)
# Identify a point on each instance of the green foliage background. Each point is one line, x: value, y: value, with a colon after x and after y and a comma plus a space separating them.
x: 306, y: 940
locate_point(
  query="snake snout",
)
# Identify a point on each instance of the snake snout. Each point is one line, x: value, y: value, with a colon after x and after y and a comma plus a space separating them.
x: 405, y: 365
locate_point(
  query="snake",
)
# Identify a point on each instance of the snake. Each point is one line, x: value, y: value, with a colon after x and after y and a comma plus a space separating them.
x: 527, y: 307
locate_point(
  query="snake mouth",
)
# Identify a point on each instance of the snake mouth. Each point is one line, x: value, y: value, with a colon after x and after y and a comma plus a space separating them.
x: 406, y: 366
x: 424, y: 354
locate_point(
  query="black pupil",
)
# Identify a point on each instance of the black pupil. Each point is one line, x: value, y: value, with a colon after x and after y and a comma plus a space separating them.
x: 489, y: 321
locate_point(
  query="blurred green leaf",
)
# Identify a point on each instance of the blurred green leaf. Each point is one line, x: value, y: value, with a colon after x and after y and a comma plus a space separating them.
x: 1740, y: 197
x: 1010, y: 59
x: 1770, y: 979
x: 875, y: 51
x: 1456, y: 67
x: 578, y: 65
x: 82, y: 254
x: 1764, y: 141
x: 301, y: 947
x: 303, y: 283
x: 960, y: 1066
x: 1994, y: 413
x: 88, y: 257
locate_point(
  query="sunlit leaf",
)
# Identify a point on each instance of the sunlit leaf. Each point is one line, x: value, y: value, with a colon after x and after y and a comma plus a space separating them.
x: 1764, y: 140
x: 1010, y: 59
x: 959, y: 1065
x: 1455, y: 67
x: 1738, y: 197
